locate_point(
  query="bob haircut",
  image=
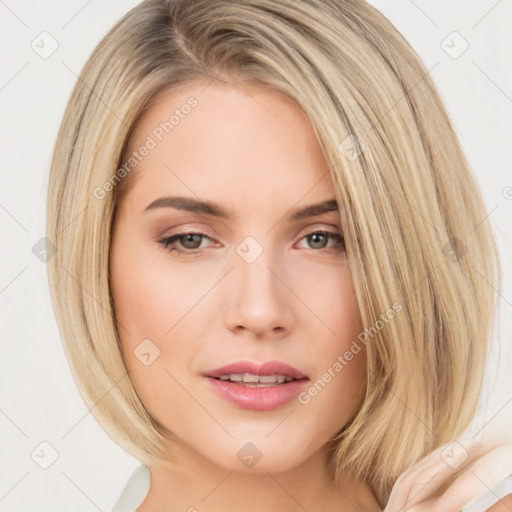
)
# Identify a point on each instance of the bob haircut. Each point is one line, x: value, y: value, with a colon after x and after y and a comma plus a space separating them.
x: 411, y: 211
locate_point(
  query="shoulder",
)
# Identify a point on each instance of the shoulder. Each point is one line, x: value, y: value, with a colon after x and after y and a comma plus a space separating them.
x: 504, y: 505
x: 135, y: 490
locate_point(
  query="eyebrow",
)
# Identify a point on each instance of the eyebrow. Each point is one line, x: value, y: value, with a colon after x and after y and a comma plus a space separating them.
x: 190, y: 204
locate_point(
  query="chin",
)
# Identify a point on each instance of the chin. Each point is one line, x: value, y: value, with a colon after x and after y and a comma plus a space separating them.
x: 258, y: 455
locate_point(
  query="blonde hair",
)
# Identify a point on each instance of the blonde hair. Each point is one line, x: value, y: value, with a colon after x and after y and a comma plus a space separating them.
x: 411, y: 211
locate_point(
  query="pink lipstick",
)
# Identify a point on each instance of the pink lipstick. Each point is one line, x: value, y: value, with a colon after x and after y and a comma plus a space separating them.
x: 257, y: 387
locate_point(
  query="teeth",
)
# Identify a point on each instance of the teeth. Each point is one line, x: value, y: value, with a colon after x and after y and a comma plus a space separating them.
x: 256, y: 379
x: 270, y: 378
x: 250, y: 378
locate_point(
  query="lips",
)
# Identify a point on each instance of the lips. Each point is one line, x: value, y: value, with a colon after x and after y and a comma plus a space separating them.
x: 267, y: 368
x: 287, y: 383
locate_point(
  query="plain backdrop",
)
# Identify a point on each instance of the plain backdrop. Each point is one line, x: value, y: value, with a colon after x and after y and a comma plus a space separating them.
x: 39, y: 402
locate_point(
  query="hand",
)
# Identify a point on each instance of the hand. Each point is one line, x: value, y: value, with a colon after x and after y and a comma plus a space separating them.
x: 462, y: 475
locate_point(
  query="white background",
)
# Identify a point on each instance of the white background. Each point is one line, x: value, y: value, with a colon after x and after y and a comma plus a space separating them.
x: 38, y: 398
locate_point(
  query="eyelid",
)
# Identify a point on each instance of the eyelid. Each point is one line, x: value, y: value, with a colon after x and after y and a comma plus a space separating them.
x: 167, y: 242
x: 321, y: 226
x: 307, y: 231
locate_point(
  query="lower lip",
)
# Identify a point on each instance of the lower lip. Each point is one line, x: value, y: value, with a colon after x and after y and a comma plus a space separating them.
x: 258, y: 398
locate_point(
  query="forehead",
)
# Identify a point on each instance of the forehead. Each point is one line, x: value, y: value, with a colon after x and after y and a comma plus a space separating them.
x: 247, y: 142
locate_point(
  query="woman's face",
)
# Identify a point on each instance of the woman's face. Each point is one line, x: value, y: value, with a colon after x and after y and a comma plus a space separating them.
x: 262, y: 282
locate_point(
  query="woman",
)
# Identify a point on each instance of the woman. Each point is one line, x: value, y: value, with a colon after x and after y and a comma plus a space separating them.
x: 272, y: 292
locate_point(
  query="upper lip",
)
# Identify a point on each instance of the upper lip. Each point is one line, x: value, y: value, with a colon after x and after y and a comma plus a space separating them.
x: 266, y: 368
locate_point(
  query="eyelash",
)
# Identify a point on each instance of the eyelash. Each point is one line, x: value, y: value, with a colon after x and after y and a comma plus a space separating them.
x: 167, y: 242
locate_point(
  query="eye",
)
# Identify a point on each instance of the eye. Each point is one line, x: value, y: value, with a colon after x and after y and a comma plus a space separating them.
x: 190, y: 241
x: 320, y: 239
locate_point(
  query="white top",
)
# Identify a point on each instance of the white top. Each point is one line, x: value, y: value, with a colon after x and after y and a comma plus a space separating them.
x: 483, y: 502
x: 137, y: 487
x: 135, y: 490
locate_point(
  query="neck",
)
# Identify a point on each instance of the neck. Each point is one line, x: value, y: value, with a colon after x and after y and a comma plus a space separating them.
x: 201, y: 485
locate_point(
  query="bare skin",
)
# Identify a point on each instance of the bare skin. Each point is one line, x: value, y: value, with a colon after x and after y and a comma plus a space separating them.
x: 253, y: 152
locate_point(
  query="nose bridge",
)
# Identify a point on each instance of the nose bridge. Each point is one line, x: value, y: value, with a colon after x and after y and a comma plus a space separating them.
x: 256, y: 278
x: 259, y: 302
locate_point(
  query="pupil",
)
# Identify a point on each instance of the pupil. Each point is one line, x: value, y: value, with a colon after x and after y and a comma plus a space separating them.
x: 189, y: 238
x: 315, y: 236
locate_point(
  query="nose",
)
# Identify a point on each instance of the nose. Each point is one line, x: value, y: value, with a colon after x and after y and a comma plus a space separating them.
x: 260, y: 300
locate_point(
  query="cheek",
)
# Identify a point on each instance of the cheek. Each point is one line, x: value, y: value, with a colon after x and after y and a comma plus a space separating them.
x: 151, y: 296
x: 147, y: 305
x: 334, y: 300
x: 342, y: 359
x: 158, y: 313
